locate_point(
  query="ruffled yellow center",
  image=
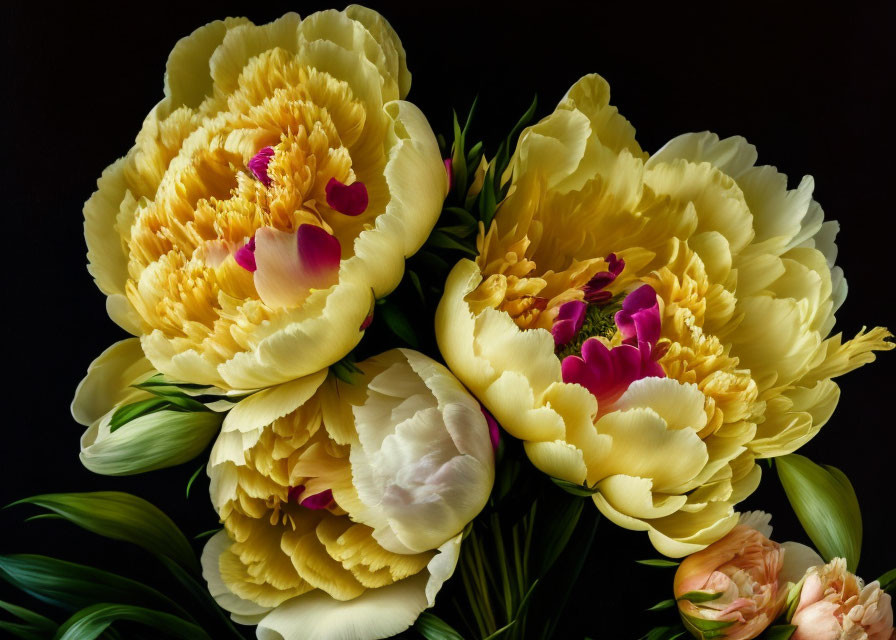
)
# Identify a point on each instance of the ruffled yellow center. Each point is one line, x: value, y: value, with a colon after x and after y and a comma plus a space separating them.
x: 184, y: 281
x: 282, y: 549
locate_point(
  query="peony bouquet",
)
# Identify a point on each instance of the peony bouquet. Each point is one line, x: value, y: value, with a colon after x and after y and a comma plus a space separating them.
x: 416, y: 372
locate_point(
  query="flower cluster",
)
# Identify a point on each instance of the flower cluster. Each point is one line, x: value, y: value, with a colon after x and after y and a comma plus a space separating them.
x: 647, y: 326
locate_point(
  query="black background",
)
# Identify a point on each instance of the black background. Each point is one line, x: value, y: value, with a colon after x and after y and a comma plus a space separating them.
x: 812, y: 89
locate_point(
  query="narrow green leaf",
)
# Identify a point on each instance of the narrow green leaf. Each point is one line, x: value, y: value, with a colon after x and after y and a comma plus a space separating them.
x: 193, y: 478
x: 206, y: 534
x: 397, y: 321
x: 700, y: 596
x: 473, y: 155
x: 201, y: 596
x: 558, y: 529
x: 24, y: 631
x: 664, y: 604
x: 658, y: 562
x: 121, y: 516
x: 154, y: 441
x: 664, y: 633
x: 826, y: 505
x: 888, y: 581
x: 705, y: 629
x: 470, y: 115
x: 432, y: 627
x: 27, y: 616
x: 488, y: 201
x: 497, y: 634
x: 459, y: 160
x: 779, y: 632
x: 74, y: 586
x: 89, y: 623
x: 418, y: 286
x: 442, y: 240
x: 463, y: 216
x: 581, y: 490
x: 128, y: 412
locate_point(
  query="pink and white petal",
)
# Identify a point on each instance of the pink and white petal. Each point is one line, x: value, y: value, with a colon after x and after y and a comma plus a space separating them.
x: 279, y: 275
x: 319, y: 255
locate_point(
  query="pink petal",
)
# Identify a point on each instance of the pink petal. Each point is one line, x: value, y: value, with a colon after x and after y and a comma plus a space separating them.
x: 245, y: 255
x: 594, y: 292
x: 289, y: 265
x: 259, y: 165
x: 569, y: 321
x: 367, y: 322
x: 349, y: 199
x: 318, y: 501
x: 494, y: 431
x: 450, y: 169
x: 639, y: 319
x: 319, y: 253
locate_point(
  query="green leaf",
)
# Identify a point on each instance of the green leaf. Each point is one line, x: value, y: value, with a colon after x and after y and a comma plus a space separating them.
x: 90, y: 623
x: 397, y: 321
x: 24, y: 631
x: 463, y: 216
x: 33, y: 620
x: 74, y: 586
x: 558, y: 528
x: 664, y: 633
x: 658, y: 562
x: 201, y: 595
x: 128, y: 412
x: 705, y: 629
x: 779, y: 632
x: 826, y: 505
x: 442, y: 240
x: 581, y: 490
x: 121, y: 516
x: 418, y: 286
x: 154, y: 441
x: 193, y: 479
x: 664, y: 604
x: 700, y: 596
x: 888, y: 581
x: 459, y: 160
x: 432, y: 627
x: 488, y: 200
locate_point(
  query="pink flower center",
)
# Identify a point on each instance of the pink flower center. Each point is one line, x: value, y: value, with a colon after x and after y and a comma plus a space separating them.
x: 258, y: 165
x: 350, y: 199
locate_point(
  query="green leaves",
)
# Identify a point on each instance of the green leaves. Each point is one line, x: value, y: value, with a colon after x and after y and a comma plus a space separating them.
x: 581, y: 490
x: 658, y: 562
x: 826, y: 505
x: 33, y: 626
x: 161, y: 438
x: 700, y: 596
x: 73, y: 586
x: 121, y: 516
x: 89, y: 623
x: 888, y: 581
x: 397, y: 321
x: 779, y: 632
x: 432, y: 627
x: 705, y: 629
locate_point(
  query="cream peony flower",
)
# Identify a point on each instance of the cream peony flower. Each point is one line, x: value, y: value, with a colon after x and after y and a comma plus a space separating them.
x: 693, y: 281
x: 271, y: 195
x: 747, y: 576
x: 837, y: 605
x: 344, y: 505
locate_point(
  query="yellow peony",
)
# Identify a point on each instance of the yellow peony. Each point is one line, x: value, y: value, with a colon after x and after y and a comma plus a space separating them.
x: 344, y: 505
x: 271, y: 195
x: 689, y: 296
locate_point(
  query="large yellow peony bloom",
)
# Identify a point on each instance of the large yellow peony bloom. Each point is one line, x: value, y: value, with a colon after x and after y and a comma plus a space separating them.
x: 689, y: 297
x: 344, y: 505
x: 271, y: 195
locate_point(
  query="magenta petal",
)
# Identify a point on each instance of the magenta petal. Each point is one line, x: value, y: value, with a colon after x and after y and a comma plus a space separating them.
x: 569, y: 321
x: 494, y: 431
x: 639, y: 319
x: 258, y: 165
x: 367, y: 322
x: 607, y: 373
x: 295, y: 493
x: 245, y: 255
x: 319, y: 500
x: 349, y: 199
x: 319, y: 253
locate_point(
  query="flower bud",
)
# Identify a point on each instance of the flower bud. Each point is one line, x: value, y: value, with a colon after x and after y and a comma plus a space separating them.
x: 835, y: 604
x: 738, y: 585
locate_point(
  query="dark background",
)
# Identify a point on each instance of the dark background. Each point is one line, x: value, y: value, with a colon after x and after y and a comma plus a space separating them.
x: 812, y: 89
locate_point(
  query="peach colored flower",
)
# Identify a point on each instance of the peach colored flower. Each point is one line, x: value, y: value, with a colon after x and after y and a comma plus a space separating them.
x: 838, y: 605
x: 741, y: 581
